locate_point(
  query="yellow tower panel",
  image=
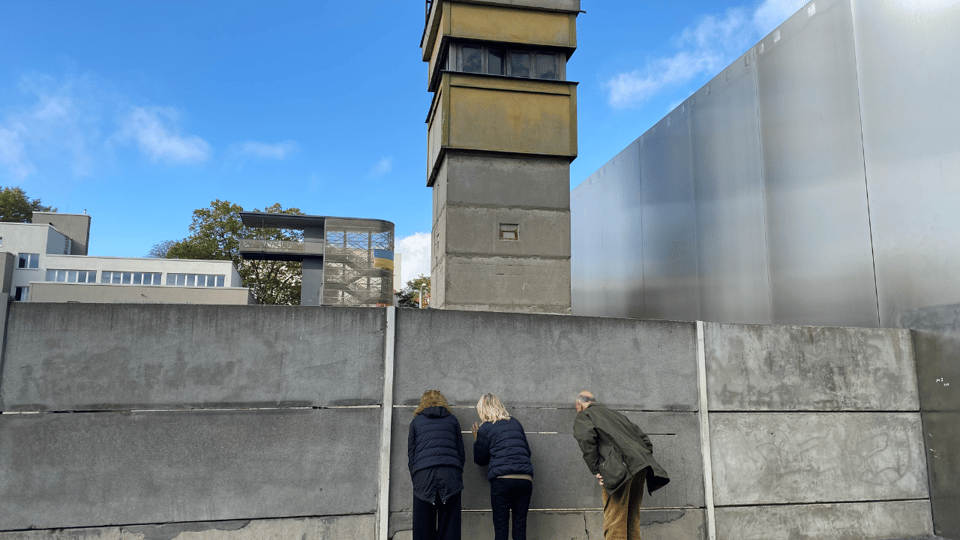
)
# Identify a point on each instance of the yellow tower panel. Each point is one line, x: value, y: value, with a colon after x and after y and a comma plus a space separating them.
x: 504, y: 24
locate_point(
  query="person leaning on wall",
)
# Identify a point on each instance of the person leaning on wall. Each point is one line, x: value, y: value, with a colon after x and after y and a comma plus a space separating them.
x: 620, y: 455
x: 501, y: 446
x: 435, y: 457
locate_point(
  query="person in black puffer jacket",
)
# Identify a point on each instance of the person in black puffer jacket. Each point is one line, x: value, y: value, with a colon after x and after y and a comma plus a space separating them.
x: 435, y: 457
x: 501, y: 446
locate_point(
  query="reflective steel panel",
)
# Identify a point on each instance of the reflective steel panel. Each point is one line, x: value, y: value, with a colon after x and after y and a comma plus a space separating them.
x: 908, y: 59
x: 818, y: 229
x: 728, y: 175
x: 622, y: 239
x: 586, y: 248
x: 669, y: 246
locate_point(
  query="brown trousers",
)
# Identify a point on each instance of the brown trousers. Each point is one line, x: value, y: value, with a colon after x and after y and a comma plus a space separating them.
x: 621, y: 511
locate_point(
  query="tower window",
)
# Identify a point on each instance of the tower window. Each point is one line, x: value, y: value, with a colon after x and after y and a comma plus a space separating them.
x: 510, y: 231
x: 512, y: 63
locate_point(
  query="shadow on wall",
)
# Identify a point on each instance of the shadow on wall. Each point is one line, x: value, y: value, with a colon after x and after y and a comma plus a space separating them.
x: 936, y: 339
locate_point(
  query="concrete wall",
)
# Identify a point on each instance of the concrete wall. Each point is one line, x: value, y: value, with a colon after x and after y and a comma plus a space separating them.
x: 238, y: 422
x: 51, y: 291
x: 936, y: 339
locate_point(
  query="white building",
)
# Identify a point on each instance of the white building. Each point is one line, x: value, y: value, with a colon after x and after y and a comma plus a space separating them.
x: 46, y: 261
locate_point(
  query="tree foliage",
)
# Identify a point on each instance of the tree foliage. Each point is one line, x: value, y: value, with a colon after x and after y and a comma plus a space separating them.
x: 409, y: 296
x: 16, y: 207
x: 159, y: 251
x: 215, y: 234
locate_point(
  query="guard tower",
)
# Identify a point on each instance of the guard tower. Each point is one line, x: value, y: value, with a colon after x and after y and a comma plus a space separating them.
x: 346, y: 261
x: 502, y: 131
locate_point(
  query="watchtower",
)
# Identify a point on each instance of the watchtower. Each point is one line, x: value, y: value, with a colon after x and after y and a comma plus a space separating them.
x: 502, y: 131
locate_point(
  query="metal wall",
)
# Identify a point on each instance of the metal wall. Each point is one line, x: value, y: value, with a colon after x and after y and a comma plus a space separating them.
x: 816, y: 180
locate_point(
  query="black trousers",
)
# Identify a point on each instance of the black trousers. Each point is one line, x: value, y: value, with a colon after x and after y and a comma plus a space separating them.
x: 437, y: 520
x: 510, y: 495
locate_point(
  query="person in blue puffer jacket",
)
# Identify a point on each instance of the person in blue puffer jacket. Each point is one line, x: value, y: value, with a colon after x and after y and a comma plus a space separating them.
x: 501, y: 446
x: 435, y: 456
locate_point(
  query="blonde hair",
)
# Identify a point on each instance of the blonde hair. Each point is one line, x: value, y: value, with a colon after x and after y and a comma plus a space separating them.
x: 432, y: 398
x: 491, y: 409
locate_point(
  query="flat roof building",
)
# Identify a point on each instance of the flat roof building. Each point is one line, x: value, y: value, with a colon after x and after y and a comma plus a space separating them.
x: 47, y: 261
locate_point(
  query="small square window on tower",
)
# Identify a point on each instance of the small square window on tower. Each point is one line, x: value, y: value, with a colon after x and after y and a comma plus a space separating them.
x: 510, y: 231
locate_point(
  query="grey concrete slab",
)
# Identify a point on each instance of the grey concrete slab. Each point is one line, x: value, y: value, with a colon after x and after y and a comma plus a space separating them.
x: 936, y: 341
x: 781, y: 458
x: 119, y: 356
x: 686, y: 523
x: 852, y: 521
x: 806, y: 368
x: 561, y: 479
x: 545, y: 360
x: 100, y: 469
x: 322, y: 528
x: 314, y: 528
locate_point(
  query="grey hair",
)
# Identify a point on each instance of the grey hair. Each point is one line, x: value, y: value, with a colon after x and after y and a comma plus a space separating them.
x: 586, y: 397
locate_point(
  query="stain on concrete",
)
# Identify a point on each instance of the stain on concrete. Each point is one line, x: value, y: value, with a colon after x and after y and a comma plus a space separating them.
x: 172, y: 530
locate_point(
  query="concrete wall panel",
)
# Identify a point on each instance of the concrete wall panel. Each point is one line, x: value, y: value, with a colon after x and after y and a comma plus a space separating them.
x: 936, y: 340
x: 522, y: 284
x: 357, y: 527
x: 779, y: 458
x: 101, y: 469
x: 561, y: 479
x: 509, y: 181
x: 532, y: 361
x: 686, y: 523
x: 107, y: 356
x: 476, y: 230
x: 860, y: 521
x: 804, y: 368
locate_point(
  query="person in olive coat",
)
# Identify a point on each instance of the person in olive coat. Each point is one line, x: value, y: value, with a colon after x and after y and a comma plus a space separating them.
x: 501, y: 446
x: 435, y: 457
x: 620, y: 455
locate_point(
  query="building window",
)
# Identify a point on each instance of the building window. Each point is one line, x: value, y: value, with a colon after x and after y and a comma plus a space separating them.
x: 195, y: 280
x: 130, y: 278
x: 510, y: 231
x: 21, y: 294
x: 29, y: 260
x: 494, y: 61
x: 72, y: 276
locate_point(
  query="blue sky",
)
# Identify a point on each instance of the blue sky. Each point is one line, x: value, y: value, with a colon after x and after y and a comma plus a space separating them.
x: 140, y: 111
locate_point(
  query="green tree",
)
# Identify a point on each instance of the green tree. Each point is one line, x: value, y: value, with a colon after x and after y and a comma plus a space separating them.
x: 409, y: 296
x: 216, y: 233
x: 15, y: 206
x: 159, y: 251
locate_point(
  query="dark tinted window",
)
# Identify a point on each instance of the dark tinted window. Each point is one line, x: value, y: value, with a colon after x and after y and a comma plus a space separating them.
x: 472, y: 59
x: 495, y: 62
x: 546, y: 66
x: 519, y: 64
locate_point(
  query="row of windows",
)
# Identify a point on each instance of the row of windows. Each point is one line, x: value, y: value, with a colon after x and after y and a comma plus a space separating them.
x: 135, y: 278
x: 494, y: 61
x: 130, y: 278
x: 195, y: 280
x: 72, y: 276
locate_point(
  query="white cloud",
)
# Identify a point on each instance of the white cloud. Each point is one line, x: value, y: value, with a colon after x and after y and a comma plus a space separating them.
x: 12, y: 156
x: 705, y: 48
x: 153, y: 127
x: 416, y: 256
x: 382, y: 167
x: 278, y: 151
